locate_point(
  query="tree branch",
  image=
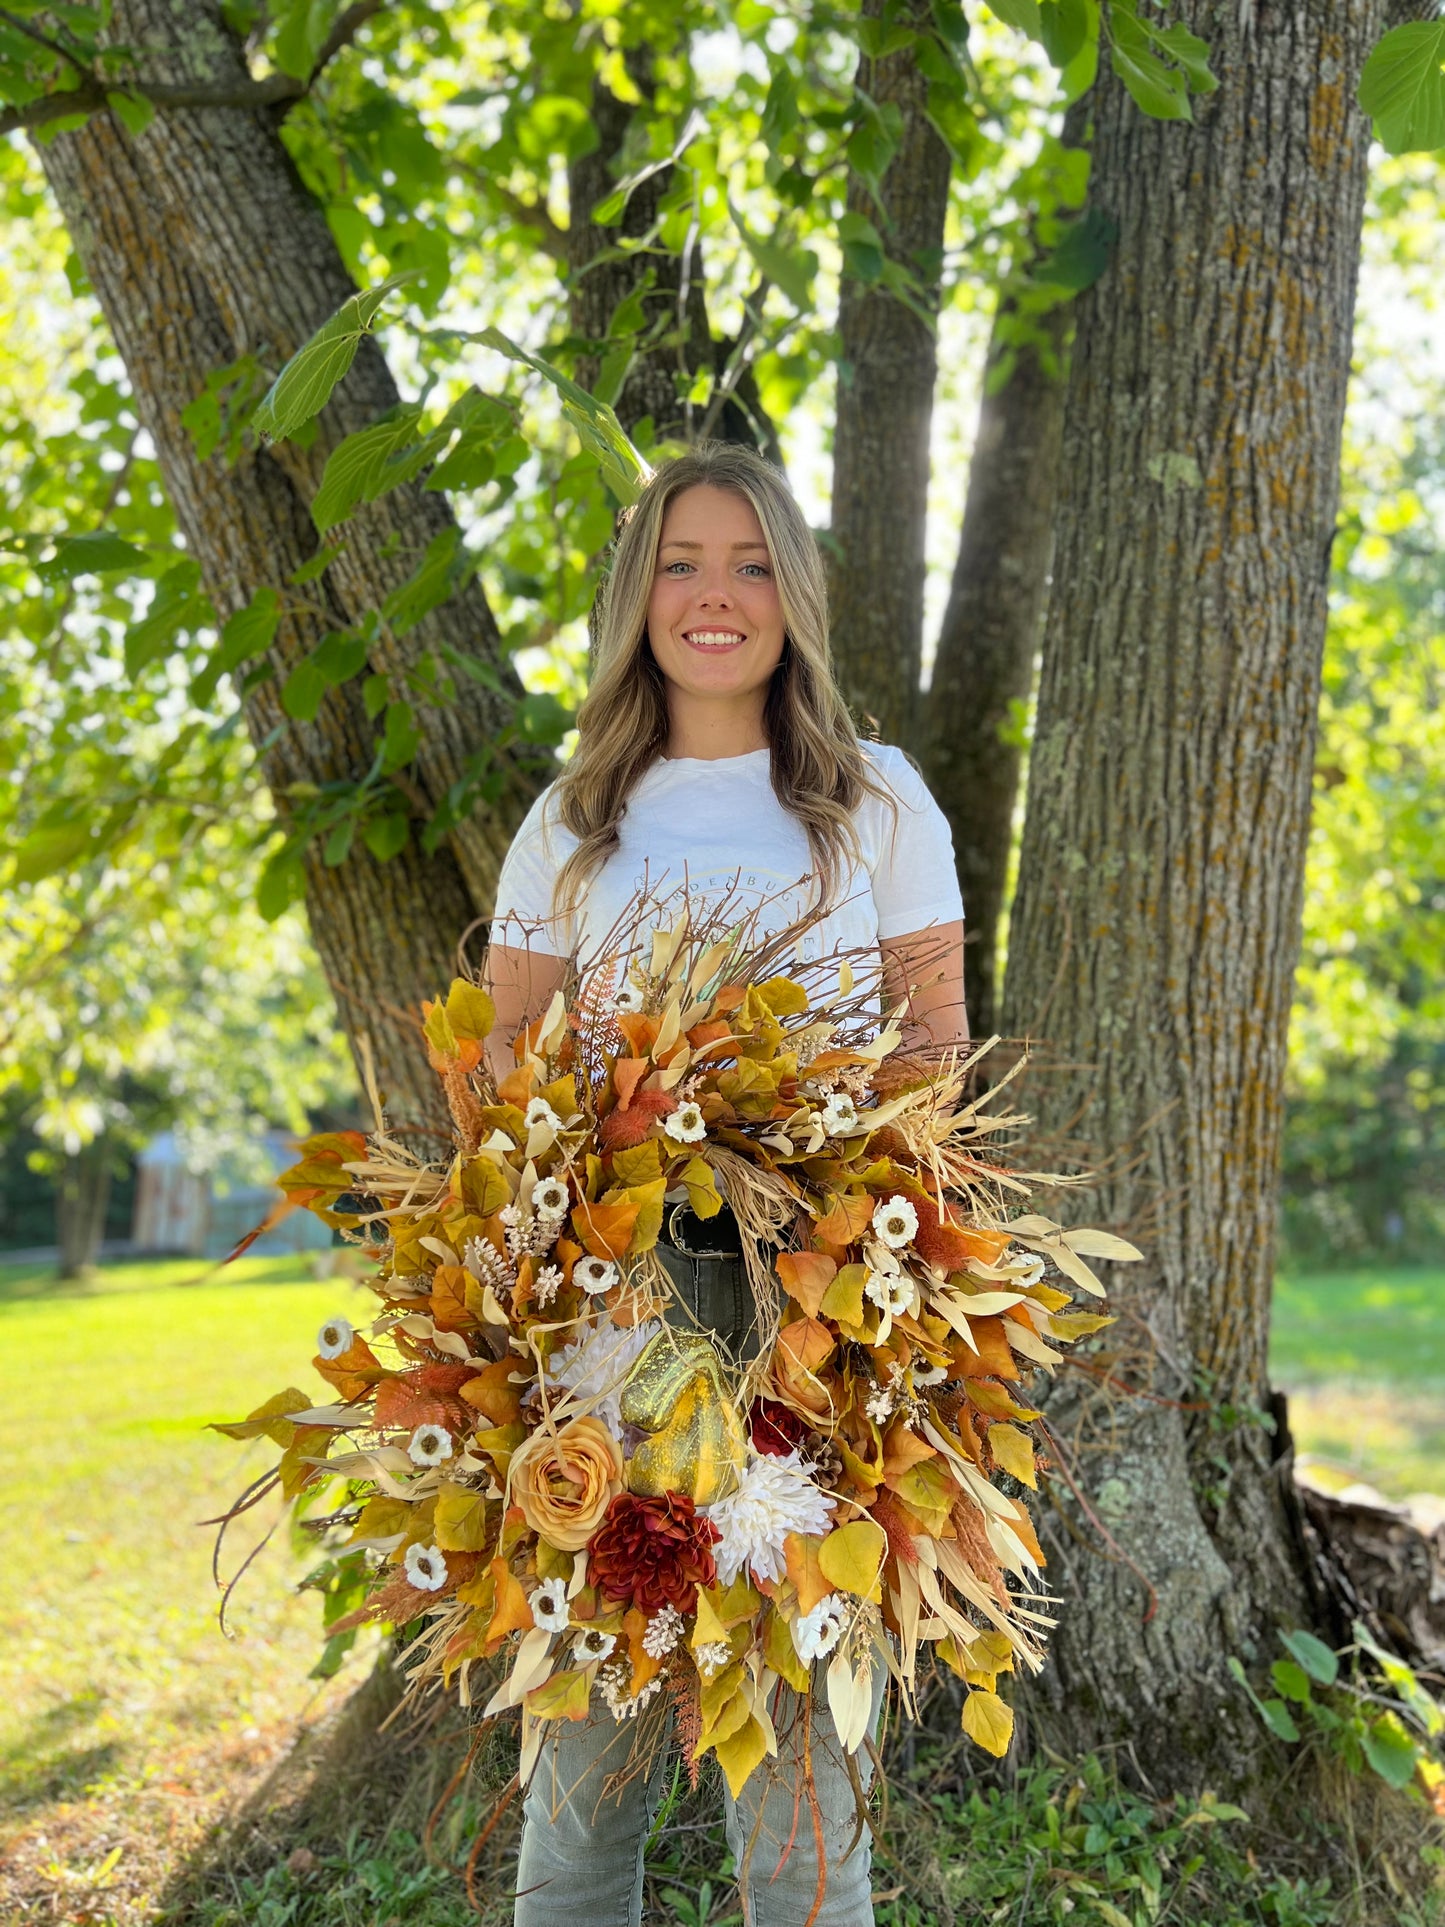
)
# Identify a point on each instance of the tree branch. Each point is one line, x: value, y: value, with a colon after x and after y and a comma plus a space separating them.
x: 531, y: 214
x: 91, y: 95
x: 43, y: 40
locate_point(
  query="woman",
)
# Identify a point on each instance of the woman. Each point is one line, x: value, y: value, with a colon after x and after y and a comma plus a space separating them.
x: 716, y: 762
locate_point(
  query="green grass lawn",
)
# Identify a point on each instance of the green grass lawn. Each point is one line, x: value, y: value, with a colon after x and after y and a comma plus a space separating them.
x: 127, y: 1722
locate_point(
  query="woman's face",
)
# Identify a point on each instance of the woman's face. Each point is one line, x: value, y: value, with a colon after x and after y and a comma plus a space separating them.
x: 714, y: 618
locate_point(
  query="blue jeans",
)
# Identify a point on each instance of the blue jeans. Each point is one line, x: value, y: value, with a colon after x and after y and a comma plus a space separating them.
x: 582, y: 1843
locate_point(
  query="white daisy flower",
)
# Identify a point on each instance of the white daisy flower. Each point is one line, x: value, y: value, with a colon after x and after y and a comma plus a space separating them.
x: 334, y: 1338
x: 595, y: 1275
x: 815, y: 1634
x: 426, y: 1568
x: 551, y: 1198
x: 591, y: 1643
x: 929, y: 1374
x: 429, y: 1444
x: 549, y: 1606
x: 895, y: 1221
x: 685, y: 1125
x: 539, y: 1111
x: 840, y: 1115
x: 891, y: 1291
x: 774, y: 1497
x: 628, y: 998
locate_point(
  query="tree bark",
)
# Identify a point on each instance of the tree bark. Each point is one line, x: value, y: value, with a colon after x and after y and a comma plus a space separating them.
x: 886, y: 376
x: 203, y: 245
x: 985, y: 659
x: 81, y: 1195
x: 1154, y: 936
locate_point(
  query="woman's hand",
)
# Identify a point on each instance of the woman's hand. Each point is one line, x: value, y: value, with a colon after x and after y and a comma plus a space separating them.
x: 521, y: 983
x: 924, y: 972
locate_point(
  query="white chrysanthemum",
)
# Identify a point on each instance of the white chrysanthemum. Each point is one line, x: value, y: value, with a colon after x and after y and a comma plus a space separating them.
x: 664, y: 1629
x: 686, y: 1124
x: 815, y: 1634
x: 334, y: 1338
x: 429, y: 1444
x: 627, y: 998
x: 595, y: 1275
x: 840, y: 1115
x: 596, y: 1367
x: 426, y: 1568
x: 551, y: 1199
x: 549, y: 1606
x: 539, y: 1111
x: 592, y: 1643
x: 775, y: 1496
x: 891, y: 1291
x: 895, y: 1221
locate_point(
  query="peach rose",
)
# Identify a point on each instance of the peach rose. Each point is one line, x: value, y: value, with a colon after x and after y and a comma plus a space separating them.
x: 564, y: 1481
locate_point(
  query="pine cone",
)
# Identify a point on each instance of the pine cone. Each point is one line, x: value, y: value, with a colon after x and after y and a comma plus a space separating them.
x: 654, y: 1552
x: 826, y: 1459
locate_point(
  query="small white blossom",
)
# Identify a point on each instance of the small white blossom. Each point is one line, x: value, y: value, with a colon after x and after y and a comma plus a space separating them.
x: 548, y: 1284
x: 929, y: 1374
x: 840, y: 1115
x: 891, y: 1291
x: 1027, y: 1270
x: 628, y: 998
x: 712, y: 1657
x: 879, y: 1406
x: 815, y: 1634
x: 429, y: 1444
x: 895, y: 1221
x: 334, y: 1338
x: 550, y: 1198
x: 549, y: 1606
x: 593, y: 1643
x: 775, y: 1496
x: 664, y: 1630
x: 595, y: 1275
x: 621, y: 1704
x: 426, y: 1568
x: 539, y: 1111
x: 685, y: 1125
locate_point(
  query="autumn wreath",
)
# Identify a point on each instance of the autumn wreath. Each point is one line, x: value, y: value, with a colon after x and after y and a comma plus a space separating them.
x: 531, y: 1456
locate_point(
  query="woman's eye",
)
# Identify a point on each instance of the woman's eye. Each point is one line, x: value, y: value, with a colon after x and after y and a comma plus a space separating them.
x: 761, y: 569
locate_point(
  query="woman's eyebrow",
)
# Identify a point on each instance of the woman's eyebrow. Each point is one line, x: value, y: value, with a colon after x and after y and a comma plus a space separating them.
x: 736, y: 545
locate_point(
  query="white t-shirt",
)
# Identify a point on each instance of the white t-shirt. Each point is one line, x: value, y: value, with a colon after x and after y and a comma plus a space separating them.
x: 712, y: 831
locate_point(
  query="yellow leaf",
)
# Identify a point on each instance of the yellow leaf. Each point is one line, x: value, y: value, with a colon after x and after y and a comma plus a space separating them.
x: 989, y: 1721
x: 470, y: 1012
x: 484, y: 1188
x: 800, y: 1550
x: 846, y: 1220
x: 308, y: 1442
x: 499, y: 1442
x: 709, y: 1628
x: 851, y: 1558
x: 1014, y: 1451
x: 741, y: 1752
x: 564, y: 1697
x: 510, y: 1611
x: 783, y: 997
x: 380, y: 1518
x: 639, y: 1164
x: 648, y: 1222
x: 606, y: 1227
x: 702, y: 1192
x: 461, y: 1518
x: 843, y: 1300
x: 780, y: 1653
x: 439, y: 1033
x: 269, y: 1420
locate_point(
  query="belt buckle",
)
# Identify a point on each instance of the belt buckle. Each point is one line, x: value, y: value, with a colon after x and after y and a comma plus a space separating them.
x: 679, y: 1243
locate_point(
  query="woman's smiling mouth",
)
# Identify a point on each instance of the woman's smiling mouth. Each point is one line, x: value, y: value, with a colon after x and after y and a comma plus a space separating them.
x: 713, y: 638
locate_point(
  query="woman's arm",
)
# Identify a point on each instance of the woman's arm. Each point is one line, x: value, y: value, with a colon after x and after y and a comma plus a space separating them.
x: 521, y: 983
x: 925, y: 970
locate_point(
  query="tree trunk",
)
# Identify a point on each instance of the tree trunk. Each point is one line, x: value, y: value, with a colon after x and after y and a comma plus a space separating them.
x: 1154, y: 935
x: 984, y: 665
x: 886, y: 377
x: 203, y: 245
x: 81, y: 1195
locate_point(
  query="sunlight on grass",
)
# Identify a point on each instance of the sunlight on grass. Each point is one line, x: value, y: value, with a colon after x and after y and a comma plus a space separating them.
x: 118, y: 1693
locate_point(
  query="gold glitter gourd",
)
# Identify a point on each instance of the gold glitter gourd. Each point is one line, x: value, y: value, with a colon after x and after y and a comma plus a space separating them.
x: 677, y: 1391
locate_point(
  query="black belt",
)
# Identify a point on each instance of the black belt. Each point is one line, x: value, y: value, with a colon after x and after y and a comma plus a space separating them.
x: 719, y: 1236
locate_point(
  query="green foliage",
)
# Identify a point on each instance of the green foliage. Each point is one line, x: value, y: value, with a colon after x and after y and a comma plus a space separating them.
x: 1402, y: 87
x: 1379, y: 1720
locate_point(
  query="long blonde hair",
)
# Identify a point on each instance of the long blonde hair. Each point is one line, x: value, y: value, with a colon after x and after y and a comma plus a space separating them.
x: 819, y: 772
